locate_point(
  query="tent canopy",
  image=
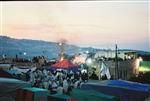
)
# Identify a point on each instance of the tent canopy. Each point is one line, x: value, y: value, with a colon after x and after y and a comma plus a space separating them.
x: 65, y: 64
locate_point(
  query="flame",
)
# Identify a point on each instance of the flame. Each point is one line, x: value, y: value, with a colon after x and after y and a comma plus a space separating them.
x: 61, y: 58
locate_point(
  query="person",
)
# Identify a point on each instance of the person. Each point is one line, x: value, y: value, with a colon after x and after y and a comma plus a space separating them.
x: 53, y: 88
x: 32, y: 78
x: 84, y: 77
x: 60, y: 89
x: 104, y: 77
x: 81, y: 83
x: 94, y: 76
x: 45, y: 83
x: 76, y: 84
x: 65, y: 86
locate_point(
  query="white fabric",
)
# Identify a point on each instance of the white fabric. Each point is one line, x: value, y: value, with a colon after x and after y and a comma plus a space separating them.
x: 105, y: 71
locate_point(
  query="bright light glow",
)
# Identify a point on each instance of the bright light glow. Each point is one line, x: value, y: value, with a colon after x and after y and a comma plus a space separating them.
x: 61, y: 58
x: 24, y: 53
x: 60, y: 43
x: 129, y: 57
x: 80, y: 59
x: 140, y: 59
x: 87, y: 52
x: 89, y: 61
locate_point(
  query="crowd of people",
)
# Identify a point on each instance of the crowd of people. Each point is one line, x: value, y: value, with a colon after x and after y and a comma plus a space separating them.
x: 61, y: 81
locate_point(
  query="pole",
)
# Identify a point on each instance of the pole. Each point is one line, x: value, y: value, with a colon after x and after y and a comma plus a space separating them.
x: 116, y: 61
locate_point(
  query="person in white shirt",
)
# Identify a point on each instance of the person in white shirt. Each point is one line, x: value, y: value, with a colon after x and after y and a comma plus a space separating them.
x: 65, y: 86
x: 32, y: 78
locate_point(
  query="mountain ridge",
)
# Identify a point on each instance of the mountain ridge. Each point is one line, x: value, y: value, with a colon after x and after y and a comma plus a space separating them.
x: 13, y: 47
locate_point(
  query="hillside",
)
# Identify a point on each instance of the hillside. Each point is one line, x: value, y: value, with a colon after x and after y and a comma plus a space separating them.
x: 13, y: 47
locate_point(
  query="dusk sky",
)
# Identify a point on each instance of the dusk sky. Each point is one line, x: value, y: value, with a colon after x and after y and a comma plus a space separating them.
x: 99, y: 24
